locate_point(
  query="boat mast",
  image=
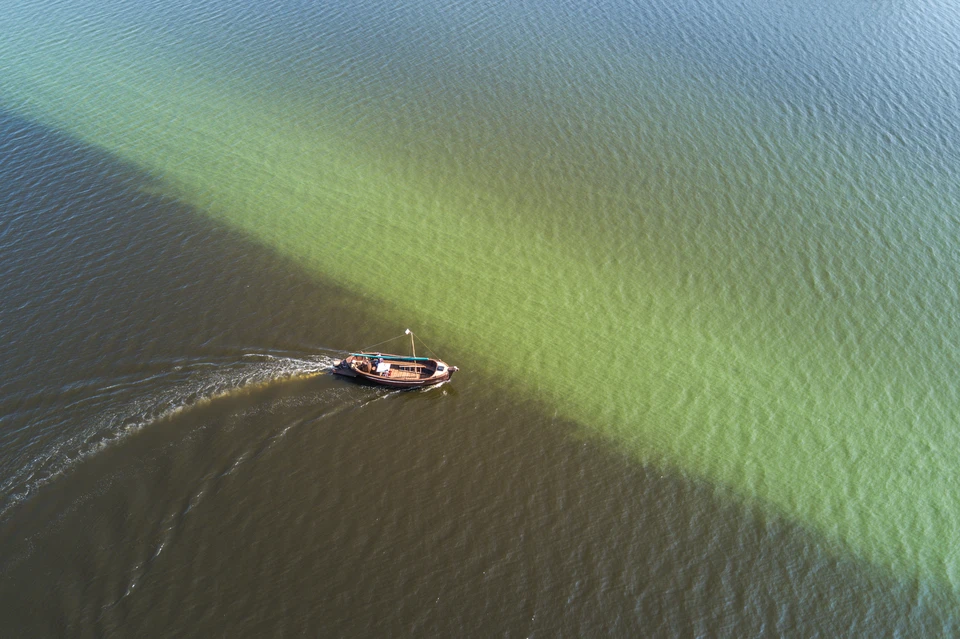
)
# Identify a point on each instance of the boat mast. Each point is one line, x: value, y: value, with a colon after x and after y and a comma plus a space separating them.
x: 413, y: 348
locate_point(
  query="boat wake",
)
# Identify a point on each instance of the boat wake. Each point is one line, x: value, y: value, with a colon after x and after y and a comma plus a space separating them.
x: 335, y: 401
x: 127, y: 406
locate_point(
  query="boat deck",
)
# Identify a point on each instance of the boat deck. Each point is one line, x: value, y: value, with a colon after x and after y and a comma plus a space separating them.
x: 399, y: 371
x: 403, y: 371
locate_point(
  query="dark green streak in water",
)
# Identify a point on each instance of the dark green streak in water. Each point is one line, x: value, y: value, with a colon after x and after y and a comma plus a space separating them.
x: 676, y: 255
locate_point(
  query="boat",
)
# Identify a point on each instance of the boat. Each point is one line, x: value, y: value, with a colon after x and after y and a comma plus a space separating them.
x: 396, y: 371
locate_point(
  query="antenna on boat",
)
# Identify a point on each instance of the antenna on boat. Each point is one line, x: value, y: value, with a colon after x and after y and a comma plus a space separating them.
x: 413, y: 348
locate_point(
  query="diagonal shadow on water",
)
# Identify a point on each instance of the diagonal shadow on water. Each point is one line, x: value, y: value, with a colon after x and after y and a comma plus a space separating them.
x: 472, y: 513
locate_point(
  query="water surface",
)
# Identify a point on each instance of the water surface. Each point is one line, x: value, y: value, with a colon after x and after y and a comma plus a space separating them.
x: 717, y: 240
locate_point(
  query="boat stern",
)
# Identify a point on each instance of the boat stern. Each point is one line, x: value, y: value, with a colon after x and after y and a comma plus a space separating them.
x: 344, y: 367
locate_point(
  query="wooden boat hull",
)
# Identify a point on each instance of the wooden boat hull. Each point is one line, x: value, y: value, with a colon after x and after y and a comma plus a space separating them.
x: 394, y: 371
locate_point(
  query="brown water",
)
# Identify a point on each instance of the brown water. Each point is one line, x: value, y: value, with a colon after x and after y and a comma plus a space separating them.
x: 697, y: 264
x: 205, y: 482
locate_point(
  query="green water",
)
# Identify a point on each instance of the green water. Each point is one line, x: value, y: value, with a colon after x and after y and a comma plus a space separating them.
x: 721, y: 269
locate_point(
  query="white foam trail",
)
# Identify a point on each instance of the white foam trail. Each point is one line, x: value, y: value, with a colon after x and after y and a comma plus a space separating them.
x: 205, y: 382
